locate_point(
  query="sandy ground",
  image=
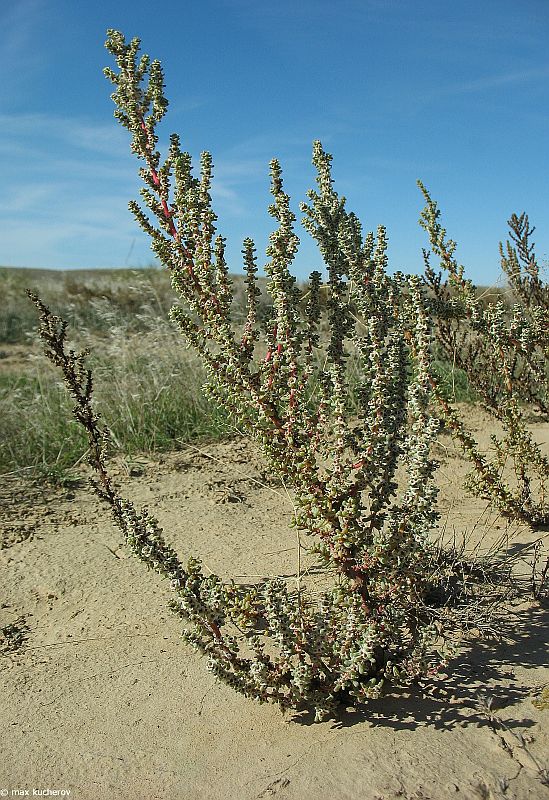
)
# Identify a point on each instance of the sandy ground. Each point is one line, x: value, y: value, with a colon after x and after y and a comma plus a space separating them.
x: 103, y: 699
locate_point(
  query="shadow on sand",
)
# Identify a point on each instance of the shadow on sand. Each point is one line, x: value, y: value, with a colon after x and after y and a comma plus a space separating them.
x: 483, y: 671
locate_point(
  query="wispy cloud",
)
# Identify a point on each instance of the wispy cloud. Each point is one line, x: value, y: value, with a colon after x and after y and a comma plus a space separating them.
x: 62, y: 244
x: 66, y: 185
x: 18, y: 23
x: 102, y: 138
x: 490, y: 82
x: 20, y: 58
x: 24, y: 199
x: 64, y: 194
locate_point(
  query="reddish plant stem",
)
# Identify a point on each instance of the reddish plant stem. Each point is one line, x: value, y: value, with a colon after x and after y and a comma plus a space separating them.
x: 168, y: 215
x: 156, y: 181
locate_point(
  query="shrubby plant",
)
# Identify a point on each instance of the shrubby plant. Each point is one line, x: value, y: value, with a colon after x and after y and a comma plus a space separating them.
x: 362, y: 483
x: 520, y: 264
x: 504, y: 353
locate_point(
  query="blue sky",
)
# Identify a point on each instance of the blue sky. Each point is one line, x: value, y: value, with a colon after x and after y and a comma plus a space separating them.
x: 454, y: 93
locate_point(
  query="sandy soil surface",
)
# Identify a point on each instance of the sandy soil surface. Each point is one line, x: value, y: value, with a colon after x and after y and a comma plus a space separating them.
x: 102, y: 699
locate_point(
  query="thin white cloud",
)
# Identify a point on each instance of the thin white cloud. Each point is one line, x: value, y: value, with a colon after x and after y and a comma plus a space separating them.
x: 103, y: 138
x: 23, y: 199
x: 18, y: 20
x: 227, y: 200
x: 20, y: 57
x: 72, y: 231
x: 489, y: 82
x: 64, y: 193
x: 66, y: 186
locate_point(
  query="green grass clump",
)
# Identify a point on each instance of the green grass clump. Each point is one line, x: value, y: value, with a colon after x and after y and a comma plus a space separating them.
x: 35, y: 432
x: 148, y: 384
x: 148, y: 390
x: 453, y: 382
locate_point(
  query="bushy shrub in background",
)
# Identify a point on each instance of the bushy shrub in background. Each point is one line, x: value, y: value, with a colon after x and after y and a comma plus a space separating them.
x: 505, y: 355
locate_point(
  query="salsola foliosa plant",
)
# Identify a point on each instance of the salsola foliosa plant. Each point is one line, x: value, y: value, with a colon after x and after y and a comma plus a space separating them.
x: 504, y: 352
x: 385, y: 610
x: 520, y: 264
